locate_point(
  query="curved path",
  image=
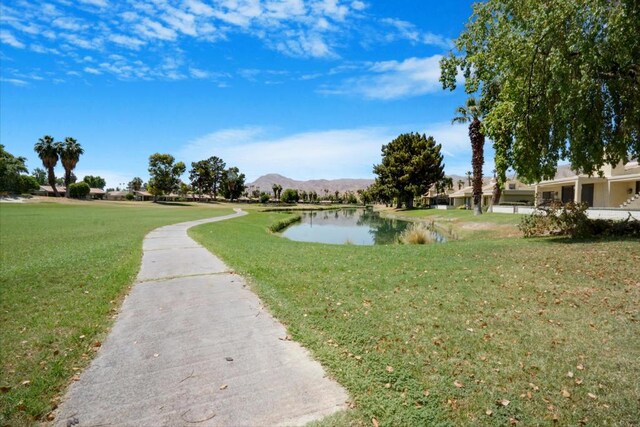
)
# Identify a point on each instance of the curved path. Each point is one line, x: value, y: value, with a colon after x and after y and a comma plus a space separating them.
x: 192, y: 345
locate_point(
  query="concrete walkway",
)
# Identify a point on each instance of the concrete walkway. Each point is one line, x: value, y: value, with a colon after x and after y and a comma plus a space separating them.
x: 193, y: 345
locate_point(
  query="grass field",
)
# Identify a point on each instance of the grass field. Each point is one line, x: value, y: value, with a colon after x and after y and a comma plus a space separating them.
x: 64, y: 268
x: 484, y: 331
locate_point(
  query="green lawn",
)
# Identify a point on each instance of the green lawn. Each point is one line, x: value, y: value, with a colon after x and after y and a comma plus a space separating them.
x: 64, y: 268
x: 487, y: 331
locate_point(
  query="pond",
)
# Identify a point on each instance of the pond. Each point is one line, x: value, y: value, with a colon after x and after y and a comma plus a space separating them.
x: 347, y: 226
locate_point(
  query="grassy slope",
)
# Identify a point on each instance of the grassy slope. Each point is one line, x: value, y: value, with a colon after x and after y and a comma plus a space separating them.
x: 424, y: 335
x: 63, y: 272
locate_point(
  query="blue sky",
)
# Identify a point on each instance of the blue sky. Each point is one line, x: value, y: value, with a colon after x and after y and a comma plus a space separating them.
x: 306, y: 88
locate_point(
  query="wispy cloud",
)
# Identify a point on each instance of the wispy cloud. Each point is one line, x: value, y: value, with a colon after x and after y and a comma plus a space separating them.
x: 392, y: 79
x: 7, y: 38
x: 297, y: 28
x: 319, y: 154
x: 322, y: 154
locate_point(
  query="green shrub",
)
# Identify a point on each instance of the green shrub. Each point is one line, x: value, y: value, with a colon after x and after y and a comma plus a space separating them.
x: 129, y: 196
x: 571, y: 219
x: 289, y: 196
x: 264, y: 197
x: 79, y: 190
x: 27, y: 184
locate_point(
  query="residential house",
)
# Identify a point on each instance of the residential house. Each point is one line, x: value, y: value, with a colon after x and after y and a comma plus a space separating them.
x: 514, y: 192
x: 615, y: 187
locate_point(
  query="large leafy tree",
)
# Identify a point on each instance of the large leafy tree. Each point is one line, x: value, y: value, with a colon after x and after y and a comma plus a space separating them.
x: 48, y: 152
x: 411, y: 163
x: 70, y: 151
x: 471, y: 114
x: 135, y: 184
x: 559, y: 79
x: 95, y: 181
x: 11, y: 168
x: 40, y: 175
x: 232, y: 185
x: 165, y: 174
x: 206, y: 175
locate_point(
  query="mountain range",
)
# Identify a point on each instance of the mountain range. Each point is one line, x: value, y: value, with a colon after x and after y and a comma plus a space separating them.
x: 265, y: 183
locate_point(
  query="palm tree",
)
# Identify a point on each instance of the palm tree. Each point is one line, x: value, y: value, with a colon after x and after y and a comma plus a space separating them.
x: 460, y: 184
x: 469, y: 175
x: 47, y: 150
x: 471, y: 113
x: 70, y: 152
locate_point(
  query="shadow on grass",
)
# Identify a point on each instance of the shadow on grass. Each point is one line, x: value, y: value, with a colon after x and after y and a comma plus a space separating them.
x: 566, y: 240
x: 174, y: 204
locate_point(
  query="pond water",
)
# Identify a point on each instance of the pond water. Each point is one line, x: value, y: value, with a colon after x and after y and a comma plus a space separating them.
x: 346, y: 226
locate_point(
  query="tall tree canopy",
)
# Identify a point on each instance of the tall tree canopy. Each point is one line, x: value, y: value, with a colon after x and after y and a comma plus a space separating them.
x: 95, y: 181
x: 164, y: 174
x: 232, y: 184
x: 559, y: 79
x: 70, y: 151
x: 411, y: 163
x: 135, y: 184
x: 206, y: 175
x: 11, y: 168
x: 48, y: 151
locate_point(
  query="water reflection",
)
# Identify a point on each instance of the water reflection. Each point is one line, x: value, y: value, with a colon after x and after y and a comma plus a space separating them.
x: 351, y: 226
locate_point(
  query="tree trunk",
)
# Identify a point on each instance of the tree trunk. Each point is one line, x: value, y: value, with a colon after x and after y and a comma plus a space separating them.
x: 52, y: 181
x: 67, y: 181
x: 497, y: 193
x: 409, y: 202
x: 477, y: 161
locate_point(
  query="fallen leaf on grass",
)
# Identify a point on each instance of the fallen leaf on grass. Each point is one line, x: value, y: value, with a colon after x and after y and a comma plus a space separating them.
x: 458, y: 384
x: 591, y: 395
x: 580, y: 367
x: 374, y: 422
x: 387, y: 385
x: 578, y: 381
x: 504, y: 402
x: 570, y: 374
x: 565, y: 393
x: 390, y: 369
x: 426, y: 393
x: 489, y: 412
x: 25, y: 382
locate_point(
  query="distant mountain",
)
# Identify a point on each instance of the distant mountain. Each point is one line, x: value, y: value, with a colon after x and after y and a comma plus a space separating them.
x: 265, y: 182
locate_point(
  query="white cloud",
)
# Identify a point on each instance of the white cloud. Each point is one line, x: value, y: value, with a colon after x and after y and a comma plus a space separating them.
x: 393, y: 79
x: 16, y: 82
x: 343, y: 153
x: 404, y: 30
x: 155, y: 30
x: 70, y: 24
x: 92, y: 70
x: 328, y: 154
x: 129, y: 42
x: 99, y: 3
x: 7, y: 38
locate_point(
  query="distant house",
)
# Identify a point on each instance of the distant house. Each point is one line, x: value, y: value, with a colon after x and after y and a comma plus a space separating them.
x: 47, y: 191
x: 514, y: 191
x: 617, y: 187
x: 117, y: 195
x: 97, y: 193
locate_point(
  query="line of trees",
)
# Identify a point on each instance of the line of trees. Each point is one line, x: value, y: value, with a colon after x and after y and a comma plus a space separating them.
x: 207, y: 177
x: 67, y: 151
